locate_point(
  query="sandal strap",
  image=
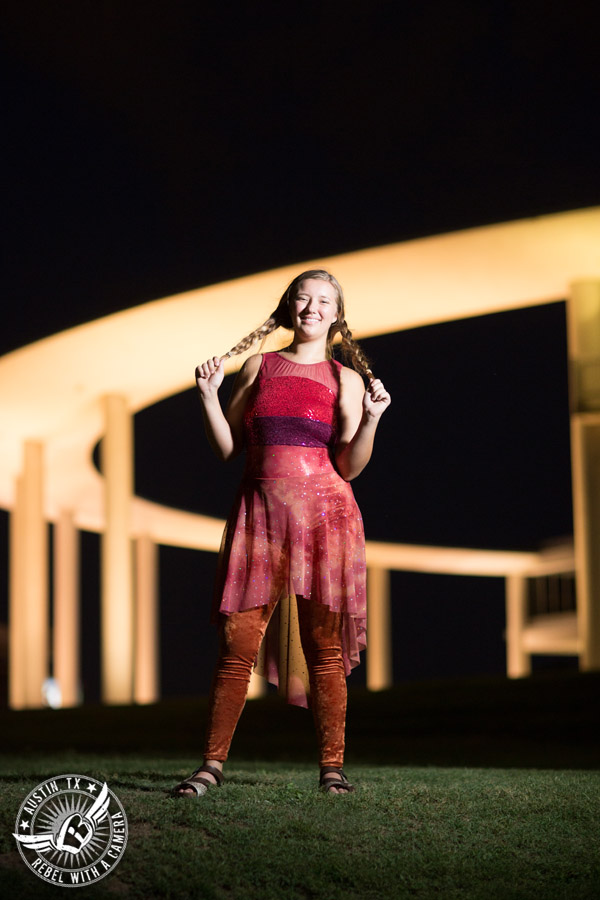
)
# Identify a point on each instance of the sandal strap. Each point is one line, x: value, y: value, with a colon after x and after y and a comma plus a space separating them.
x: 326, y: 770
x: 198, y: 784
x: 329, y: 783
x: 341, y: 783
x: 210, y: 770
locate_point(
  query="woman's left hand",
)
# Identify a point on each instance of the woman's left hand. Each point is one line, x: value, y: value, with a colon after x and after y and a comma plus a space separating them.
x: 376, y: 399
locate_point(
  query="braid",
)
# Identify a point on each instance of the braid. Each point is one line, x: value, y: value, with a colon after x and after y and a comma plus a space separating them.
x: 280, y: 318
x: 266, y: 328
x: 353, y: 353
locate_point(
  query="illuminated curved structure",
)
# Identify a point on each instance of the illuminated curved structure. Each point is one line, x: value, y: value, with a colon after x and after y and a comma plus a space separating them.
x: 60, y: 395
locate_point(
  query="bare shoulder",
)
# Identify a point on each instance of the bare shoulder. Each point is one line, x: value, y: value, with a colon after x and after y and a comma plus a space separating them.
x: 242, y: 387
x: 250, y: 368
x: 351, y: 380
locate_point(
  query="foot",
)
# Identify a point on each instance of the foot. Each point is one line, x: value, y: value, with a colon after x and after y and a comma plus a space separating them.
x: 210, y: 774
x: 333, y: 781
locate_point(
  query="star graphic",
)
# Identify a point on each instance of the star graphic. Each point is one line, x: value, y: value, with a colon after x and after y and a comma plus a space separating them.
x: 92, y: 787
x: 24, y: 824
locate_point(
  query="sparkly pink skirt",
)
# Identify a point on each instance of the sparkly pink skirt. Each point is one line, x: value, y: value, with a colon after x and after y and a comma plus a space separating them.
x: 295, y: 530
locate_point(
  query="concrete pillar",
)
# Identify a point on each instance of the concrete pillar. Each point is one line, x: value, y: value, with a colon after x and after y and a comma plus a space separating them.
x: 117, y: 563
x: 379, y: 630
x: 585, y: 464
x: 29, y: 612
x: 147, y: 655
x: 66, y: 656
x: 583, y: 317
x: 17, y: 637
x: 518, y: 662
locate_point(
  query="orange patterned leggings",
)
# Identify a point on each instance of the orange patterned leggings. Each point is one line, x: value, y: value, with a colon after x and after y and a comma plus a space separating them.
x: 241, y: 634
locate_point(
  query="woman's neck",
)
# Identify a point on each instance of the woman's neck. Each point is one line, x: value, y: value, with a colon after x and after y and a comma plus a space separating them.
x: 307, y: 352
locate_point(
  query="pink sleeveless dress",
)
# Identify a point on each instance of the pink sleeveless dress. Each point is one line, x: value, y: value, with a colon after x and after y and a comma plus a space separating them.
x: 295, y: 528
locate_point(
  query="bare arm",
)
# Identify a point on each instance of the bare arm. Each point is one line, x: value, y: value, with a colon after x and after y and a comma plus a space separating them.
x: 224, y: 429
x: 360, y: 412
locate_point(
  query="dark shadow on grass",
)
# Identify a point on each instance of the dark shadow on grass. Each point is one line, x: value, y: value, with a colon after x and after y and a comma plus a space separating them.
x: 547, y: 721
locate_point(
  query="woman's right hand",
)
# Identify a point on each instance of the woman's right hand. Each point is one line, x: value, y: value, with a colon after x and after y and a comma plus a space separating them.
x: 209, y: 377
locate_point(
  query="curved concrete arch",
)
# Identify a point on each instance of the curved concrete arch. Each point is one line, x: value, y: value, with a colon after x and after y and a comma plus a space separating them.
x: 60, y: 395
x: 51, y: 391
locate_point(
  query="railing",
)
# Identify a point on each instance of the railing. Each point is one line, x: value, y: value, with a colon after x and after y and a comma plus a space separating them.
x: 551, y: 628
x: 554, y: 632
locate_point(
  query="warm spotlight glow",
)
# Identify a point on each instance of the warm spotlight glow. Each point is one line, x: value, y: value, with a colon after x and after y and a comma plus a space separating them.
x: 117, y: 614
x: 584, y: 364
x: 147, y: 353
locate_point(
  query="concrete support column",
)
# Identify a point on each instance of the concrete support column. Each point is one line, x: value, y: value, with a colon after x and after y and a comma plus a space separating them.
x: 147, y: 656
x: 379, y: 630
x: 29, y: 644
x: 518, y: 662
x: 66, y: 654
x: 585, y: 463
x: 583, y: 316
x: 17, y: 636
x: 117, y: 562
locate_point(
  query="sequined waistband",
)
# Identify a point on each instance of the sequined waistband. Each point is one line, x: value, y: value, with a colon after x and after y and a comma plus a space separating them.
x: 287, y: 462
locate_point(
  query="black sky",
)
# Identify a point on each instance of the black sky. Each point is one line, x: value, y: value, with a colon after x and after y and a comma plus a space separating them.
x: 151, y: 148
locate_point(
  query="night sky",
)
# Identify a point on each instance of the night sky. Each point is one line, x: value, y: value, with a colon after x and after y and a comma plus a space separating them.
x: 152, y: 148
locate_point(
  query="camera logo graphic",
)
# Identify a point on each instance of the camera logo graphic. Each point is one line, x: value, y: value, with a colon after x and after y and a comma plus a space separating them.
x: 71, y: 830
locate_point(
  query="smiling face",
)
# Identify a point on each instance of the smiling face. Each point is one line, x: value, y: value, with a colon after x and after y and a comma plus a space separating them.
x: 313, y: 309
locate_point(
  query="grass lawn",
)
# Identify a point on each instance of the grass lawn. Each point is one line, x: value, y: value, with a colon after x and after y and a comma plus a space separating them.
x: 498, y: 824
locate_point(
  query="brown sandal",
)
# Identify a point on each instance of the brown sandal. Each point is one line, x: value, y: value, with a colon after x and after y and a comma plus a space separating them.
x: 200, y: 785
x: 342, y: 783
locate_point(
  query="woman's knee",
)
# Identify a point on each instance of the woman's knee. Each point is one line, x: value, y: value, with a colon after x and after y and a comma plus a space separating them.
x: 320, y: 629
x: 326, y: 661
x: 241, y: 633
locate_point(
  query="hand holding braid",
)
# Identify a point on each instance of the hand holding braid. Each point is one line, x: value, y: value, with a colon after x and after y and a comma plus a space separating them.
x: 225, y: 429
x: 280, y: 318
x: 209, y: 377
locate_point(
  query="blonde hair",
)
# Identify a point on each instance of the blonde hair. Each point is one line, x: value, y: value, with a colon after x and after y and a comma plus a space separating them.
x: 280, y: 318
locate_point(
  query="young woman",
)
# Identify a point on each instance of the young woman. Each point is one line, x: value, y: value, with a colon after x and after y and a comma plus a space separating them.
x: 291, y: 589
